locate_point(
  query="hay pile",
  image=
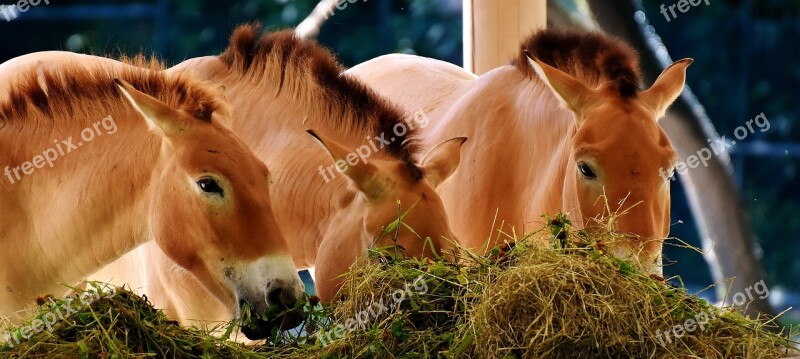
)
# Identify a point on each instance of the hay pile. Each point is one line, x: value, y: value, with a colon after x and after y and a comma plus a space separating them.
x: 121, y: 325
x: 564, y: 298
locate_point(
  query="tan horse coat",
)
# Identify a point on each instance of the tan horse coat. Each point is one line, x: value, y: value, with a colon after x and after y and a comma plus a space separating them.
x: 279, y: 87
x: 569, y: 131
x: 147, y: 179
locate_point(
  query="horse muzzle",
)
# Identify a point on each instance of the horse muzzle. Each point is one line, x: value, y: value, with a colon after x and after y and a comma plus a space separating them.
x: 281, y: 309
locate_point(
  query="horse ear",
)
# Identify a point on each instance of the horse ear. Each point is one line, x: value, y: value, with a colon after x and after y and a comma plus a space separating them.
x: 365, y: 176
x: 160, y: 118
x: 221, y: 90
x: 667, y: 87
x: 442, y: 160
x: 572, y: 94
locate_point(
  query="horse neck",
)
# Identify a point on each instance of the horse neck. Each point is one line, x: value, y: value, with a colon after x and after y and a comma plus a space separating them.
x: 518, y: 129
x: 273, y: 124
x: 290, y: 100
x: 307, y: 187
x: 552, y: 129
x: 86, y: 210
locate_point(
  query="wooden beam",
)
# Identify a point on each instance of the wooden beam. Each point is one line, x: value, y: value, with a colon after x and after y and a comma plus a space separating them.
x: 493, y: 30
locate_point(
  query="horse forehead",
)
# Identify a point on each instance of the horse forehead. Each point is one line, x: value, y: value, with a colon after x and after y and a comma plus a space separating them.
x: 635, y: 153
x: 398, y: 173
x: 224, y: 153
x: 626, y: 142
x: 406, y: 188
x: 621, y: 124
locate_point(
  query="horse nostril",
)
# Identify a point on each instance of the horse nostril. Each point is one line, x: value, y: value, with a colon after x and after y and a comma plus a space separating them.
x: 275, y: 297
x: 282, y: 295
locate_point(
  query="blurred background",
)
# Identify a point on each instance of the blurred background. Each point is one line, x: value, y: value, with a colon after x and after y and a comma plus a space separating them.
x: 745, y: 64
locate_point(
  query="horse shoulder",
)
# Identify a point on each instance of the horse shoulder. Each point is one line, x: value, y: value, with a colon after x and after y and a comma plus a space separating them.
x: 414, y: 82
x: 393, y: 63
x: 204, y: 67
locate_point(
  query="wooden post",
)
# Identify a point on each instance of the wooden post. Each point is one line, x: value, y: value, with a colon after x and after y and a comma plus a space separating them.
x: 494, y: 29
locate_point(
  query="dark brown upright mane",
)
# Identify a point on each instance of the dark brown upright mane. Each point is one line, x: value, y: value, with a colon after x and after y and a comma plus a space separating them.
x: 74, y: 90
x: 590, y: 57
x: 311, y: 75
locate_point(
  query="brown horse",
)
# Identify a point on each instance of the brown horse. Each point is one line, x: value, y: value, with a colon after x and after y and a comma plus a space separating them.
x: 280, y: 86
x: 564, y: 129
x: 94, y: 169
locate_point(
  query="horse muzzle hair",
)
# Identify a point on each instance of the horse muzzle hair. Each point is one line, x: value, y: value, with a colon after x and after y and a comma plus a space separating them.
x: 267, y: 293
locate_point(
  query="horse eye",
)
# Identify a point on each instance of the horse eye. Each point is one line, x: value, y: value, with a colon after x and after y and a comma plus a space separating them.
x: 209, y: 185
x: 586, y: 171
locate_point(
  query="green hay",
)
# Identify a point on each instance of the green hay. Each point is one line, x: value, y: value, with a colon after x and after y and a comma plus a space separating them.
x: 561, y: 298
x: 552, y: 298
x: 120, y: 326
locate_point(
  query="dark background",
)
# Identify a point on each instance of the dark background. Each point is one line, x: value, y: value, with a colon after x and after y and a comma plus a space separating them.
x: 745, y: 63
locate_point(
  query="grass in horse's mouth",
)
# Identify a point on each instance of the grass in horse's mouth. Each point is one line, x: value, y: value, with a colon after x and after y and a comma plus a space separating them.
x: 270, y: 323
x: 554, y: 293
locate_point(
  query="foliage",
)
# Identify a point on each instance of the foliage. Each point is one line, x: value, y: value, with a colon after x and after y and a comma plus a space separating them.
x: 552, y: 293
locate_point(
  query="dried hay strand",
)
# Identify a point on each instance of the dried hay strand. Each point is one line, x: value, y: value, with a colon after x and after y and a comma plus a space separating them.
x: 553, y: 293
